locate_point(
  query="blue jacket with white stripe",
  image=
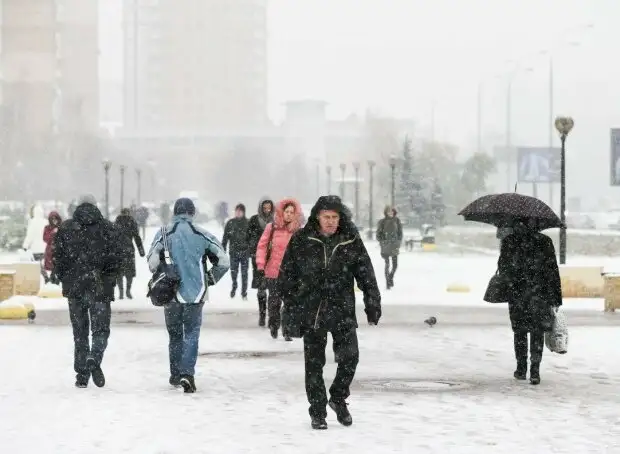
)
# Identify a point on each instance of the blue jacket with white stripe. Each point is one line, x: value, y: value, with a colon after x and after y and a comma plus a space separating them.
x: 190, y: 246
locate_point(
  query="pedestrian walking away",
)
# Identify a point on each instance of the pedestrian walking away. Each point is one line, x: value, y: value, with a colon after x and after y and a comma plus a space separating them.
x: 190, y: 247
x: 235, y: 240
x: 86, y: 260
x: 390, y: 238
x: 269, y: 254
x: 317, y: 277
x: 528, y: 264
x: 49, y: 232
x: 256, y: 227
x: 128, y: 234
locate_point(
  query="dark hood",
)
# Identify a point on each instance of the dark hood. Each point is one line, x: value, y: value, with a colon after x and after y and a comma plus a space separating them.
x: 54, y: 216
x: 261, y: 215
x: 331, y: 202
x: 87, y: 214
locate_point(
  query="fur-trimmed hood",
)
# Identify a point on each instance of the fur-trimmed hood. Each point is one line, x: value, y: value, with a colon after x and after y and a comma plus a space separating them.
x: 278, y: 219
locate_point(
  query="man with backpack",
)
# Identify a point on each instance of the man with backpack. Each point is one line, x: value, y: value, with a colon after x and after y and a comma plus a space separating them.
x: 189, y: 247
x: 86, y: 259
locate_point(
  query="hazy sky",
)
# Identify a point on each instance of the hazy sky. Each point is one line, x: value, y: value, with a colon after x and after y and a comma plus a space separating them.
x: 402, y: 56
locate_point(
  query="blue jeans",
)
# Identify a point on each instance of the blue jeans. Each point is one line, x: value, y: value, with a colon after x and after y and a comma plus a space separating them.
x: 183, y: 322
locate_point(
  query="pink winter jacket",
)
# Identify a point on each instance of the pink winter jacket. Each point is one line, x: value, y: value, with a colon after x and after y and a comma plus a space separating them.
x: 281, y: 236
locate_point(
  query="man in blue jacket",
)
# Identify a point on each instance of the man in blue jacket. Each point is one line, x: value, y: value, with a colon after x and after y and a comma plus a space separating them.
x: 190, y: 247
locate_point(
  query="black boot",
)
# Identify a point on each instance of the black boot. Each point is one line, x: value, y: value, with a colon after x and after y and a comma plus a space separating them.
x: 95, y: 372
x: 187, y: 382
x: 175, y: 380
x: 520, y: 346
x: 537, y: 343
x: 119, y: 284
x: 262, y: 309
x: 535, y: 374
x: 81, y: 381
x: 128, y: 290
x: 233, y: 292
x: 274, y: 332
x: 342, y: 412
x: 318, y: 423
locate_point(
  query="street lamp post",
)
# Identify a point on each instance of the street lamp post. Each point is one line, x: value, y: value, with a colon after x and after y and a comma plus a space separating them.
x: 356, y: 168
x: 371, y: 165
x: 139, y: 189
x: 564, y: 125
x: 122, y: 185
x: 328, y: 170
x: 343, y: 168
x: 393, y: 191
x: 318, y: 178
x: 107, y: 165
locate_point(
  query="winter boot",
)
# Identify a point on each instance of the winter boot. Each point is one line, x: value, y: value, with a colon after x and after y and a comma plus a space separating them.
x: 521, y: 371
x: 175, y: 380
x: 96, y: 372
x: 318, y: 423
x: 81, y: 381
x: 274, y: 331
x: 262, y: 309
x: 520, y: 346
x: 233, y: 292
x: 535, y: 374
x: 128, y: 289
x: 187, y: 382
x: 119, y: 284
x: 342, y: 412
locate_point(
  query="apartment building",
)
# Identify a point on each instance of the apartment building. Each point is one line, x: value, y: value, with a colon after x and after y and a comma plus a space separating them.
x: 195, y: 65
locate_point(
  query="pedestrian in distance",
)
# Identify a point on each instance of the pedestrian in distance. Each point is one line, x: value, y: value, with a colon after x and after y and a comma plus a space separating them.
x: 128, y: 234
x: 318, y: 273
x: 390, y: 238
x: 49, y: 232
x: 235, y: 241
x: 190, y: 247
x: 269, y: 254
x: 256, y: 227
x: 86, y: 260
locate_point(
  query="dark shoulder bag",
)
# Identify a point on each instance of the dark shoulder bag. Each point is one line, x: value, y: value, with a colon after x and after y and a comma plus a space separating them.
x: 498, y: 289
x: 270, y: 244
x: 165, y: 282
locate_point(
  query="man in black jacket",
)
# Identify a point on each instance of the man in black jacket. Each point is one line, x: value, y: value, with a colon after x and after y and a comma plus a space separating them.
x: 235, y: 233
x: 316, y: 278
x: 86, y: 261
x: 256, y: 227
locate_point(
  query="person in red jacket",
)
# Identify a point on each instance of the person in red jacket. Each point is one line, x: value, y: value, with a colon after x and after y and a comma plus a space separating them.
x: 49, y: 232
x: 269, y: 254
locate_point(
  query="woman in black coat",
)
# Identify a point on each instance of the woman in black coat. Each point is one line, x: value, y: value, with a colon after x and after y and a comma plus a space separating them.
x: 128, y: 233
x: 527, y: 261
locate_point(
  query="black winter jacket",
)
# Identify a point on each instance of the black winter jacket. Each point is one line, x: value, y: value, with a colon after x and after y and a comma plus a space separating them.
x: 317, y: 278
x: 87, y: 255
x: 235, y: 234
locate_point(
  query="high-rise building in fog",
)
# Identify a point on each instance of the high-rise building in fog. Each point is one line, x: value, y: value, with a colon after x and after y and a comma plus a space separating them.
x: 49, y: 66
x: 195, y: 65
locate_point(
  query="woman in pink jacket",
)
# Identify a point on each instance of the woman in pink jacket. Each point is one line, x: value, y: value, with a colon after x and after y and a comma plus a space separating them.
x: 270, y: 252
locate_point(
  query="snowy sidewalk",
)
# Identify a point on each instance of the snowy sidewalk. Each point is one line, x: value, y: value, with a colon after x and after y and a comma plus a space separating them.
x: 257, y: 404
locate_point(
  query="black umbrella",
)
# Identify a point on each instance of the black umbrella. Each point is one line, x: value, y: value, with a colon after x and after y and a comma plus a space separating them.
x: 503, y: 210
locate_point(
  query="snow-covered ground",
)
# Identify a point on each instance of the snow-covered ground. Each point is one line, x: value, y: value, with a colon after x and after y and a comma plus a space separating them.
x: 257, y: 404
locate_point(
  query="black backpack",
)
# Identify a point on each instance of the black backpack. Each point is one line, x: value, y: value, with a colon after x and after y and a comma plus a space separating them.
x: 165, y: 282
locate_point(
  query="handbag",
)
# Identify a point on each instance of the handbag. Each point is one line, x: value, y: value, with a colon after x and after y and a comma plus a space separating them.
x: 269, y: 244
x: 556, y: 340
x: 165, y: 282
x: 497, y: 290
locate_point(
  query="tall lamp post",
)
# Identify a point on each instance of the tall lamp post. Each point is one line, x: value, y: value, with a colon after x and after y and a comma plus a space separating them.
x: 328, y: 170
x: 356, y: 168
x: 318, y: 178
x: 123, y: 185
x: 393, y: 190
x: 564, y: 125
x: 107, y: 165
x: 139, y: 188
x: 371, y: 165
x: 343, y: 168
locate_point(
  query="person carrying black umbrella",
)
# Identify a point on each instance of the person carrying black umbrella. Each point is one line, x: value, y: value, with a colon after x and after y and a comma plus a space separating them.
x: 528, y: 269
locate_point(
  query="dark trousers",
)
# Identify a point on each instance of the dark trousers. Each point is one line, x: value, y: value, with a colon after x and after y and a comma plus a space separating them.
x: 274, y: 305
x: 258, y: 283
x: 239, y: 260
x: 183, y: 322
x: 537, y: 343
x: 119, y: 283
x: 346, y: 352
x: 86, y: 315
x: 389, y: 274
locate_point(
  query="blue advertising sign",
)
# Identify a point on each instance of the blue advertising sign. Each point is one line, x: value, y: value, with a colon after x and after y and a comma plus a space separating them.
x: 538, y: 164
x: 615, y: 157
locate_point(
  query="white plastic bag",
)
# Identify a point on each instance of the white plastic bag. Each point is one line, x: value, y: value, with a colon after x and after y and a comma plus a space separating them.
x: 556, y: 340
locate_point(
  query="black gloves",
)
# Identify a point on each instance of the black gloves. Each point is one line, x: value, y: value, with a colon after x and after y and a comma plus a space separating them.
x: 373, y: 314
x: 141, y: 252
x: 210, y: 280
x: 54, y: 279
